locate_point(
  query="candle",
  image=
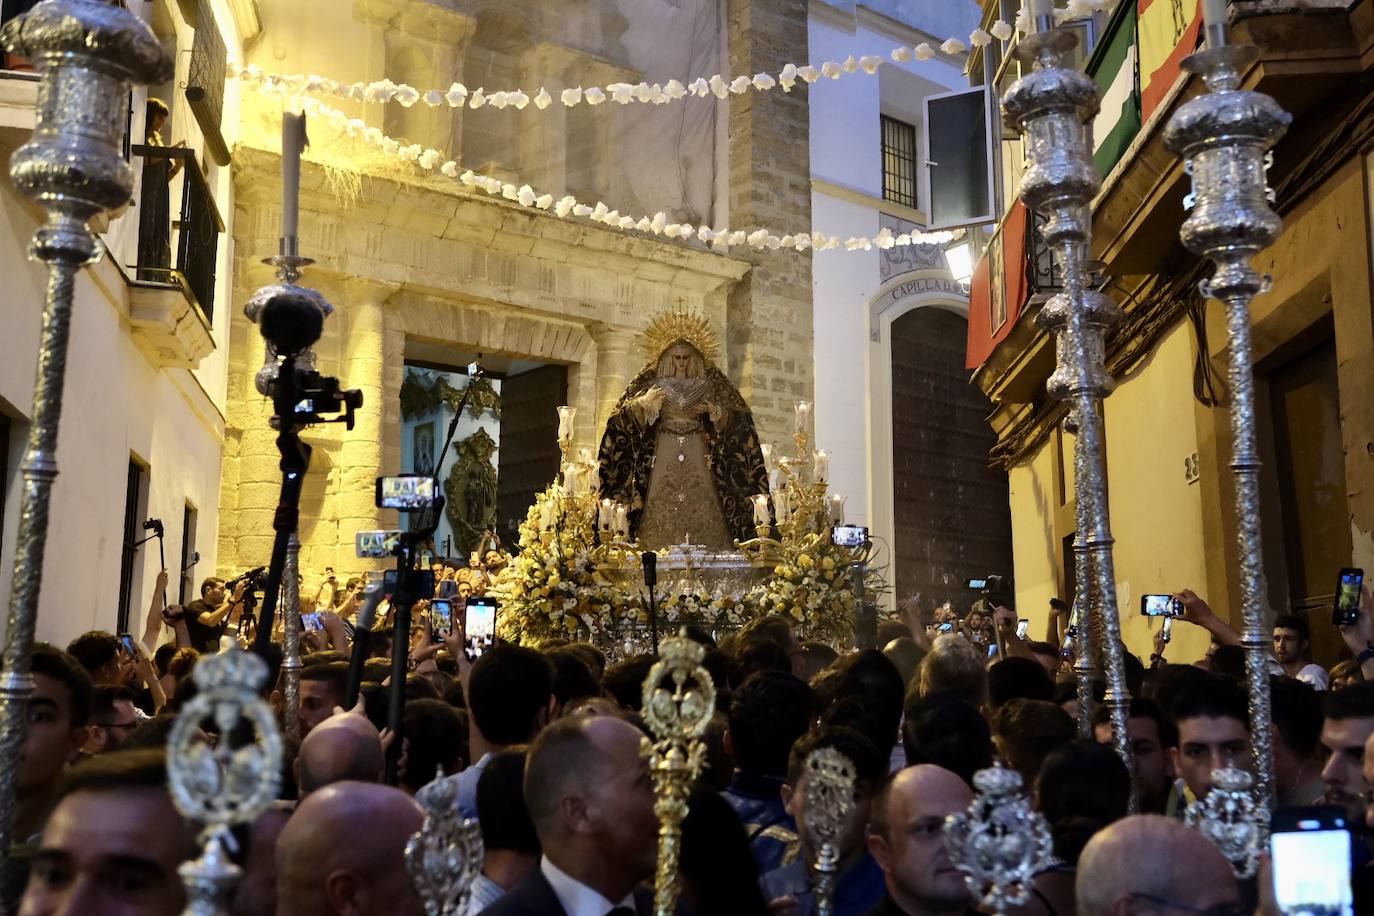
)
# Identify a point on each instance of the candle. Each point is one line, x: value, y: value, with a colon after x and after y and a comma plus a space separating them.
x: 585, y: 456
x: 822, y: 459
x: 773, y: 481
x: 803, y: 409
x: 293, y: 140
x: 622, y: 521
x: 565, y: 422
x: 1214, y: 12
x: 767, y: 455
x: 761, y: 509
x: 782, y: 506
x: 607, y: 514
x: 545, y: 516
x: 1040, y: 8
x: 837, y: 509
x: 569, y: 480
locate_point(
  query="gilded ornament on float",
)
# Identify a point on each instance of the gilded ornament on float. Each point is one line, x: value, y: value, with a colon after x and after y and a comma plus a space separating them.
x: 679, y: 701
x: 829, y: 799
x: 670, y: 327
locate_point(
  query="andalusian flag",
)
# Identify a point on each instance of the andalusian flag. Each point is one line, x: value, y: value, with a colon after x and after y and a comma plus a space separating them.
x: 1168, y: 33
x: 1113, y: 67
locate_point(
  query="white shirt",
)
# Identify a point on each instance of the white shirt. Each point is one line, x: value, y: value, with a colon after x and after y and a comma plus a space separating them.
x: 576, y: 898
x: 1315, y: 675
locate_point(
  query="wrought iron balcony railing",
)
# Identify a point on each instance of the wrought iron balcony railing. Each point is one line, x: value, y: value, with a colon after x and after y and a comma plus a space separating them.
x: 191, y: 232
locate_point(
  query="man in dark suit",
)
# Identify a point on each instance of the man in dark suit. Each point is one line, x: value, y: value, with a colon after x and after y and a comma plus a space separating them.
x: 592, y: 802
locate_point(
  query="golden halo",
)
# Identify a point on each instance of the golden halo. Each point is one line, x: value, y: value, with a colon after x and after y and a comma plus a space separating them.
x: 668, y: 328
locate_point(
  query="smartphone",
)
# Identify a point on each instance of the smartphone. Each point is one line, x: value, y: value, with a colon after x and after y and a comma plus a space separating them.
x: 1168, y: 629
x: 1310, y: 849
x: 977, y: 584
x: 375, y: 545
x: 1161, y: 606
x: 441, y: 618
x: 849, y: 535
x: 126, y: 643
x: 405, y: 491
x: 992, y: 649
x: 1347, y: 607
x: 1022, y: 628
x: 480, y: 620
x: 947, y: 627
x: 311, y: 622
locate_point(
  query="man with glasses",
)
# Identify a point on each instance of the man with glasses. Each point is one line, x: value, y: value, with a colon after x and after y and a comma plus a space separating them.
x: 113, y: 717
x: 1150, y: 864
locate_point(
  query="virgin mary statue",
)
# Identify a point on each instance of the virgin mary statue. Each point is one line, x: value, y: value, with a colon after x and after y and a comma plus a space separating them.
x: 680, y: 448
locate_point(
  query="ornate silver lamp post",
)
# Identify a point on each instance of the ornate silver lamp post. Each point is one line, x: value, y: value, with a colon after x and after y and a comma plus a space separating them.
x: 1224, y: 137
x: 89, y: 53
x: 999, y: 843
x: 1050, y: 106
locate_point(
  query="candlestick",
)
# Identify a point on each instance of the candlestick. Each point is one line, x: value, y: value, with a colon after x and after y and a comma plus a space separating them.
x: 606, y: 514
x: 566, y: 415
x: 760, y: 509
x: 767, y: 451
x: 803, y: 416
x: 822, y: 469
x: 293, y: 141
x: 622, y: 520
x: 781, y: 505
x: 837, y: 509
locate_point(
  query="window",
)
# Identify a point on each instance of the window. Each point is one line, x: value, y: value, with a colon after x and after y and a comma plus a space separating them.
x: 189, y: 556
x: 899, y: 162
x: 135, y: 496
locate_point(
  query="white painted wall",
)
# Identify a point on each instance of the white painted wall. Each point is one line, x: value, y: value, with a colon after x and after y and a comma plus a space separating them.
x: 116, y: 404
x: 851, y: 422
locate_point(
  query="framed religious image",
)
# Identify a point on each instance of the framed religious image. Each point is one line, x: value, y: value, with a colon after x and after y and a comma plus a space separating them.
x: 997, y: 283
x: 422, y: 442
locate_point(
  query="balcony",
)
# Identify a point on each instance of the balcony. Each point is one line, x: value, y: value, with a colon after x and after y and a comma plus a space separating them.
x: 171, y: 301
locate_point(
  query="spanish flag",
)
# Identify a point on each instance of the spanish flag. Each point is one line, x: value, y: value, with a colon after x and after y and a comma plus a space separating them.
x: 1168, y: 32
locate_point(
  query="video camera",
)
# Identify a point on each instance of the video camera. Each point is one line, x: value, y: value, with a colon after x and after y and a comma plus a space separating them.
x: 155, y: 526
x: 254, y: 578
x: 992, y: 588
x: 319, y: 395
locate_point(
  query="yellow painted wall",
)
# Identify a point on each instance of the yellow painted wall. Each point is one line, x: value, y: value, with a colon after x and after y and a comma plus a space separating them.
x: 1155, y: 512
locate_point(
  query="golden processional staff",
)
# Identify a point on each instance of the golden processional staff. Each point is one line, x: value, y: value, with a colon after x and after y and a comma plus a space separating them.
x: 679, y: 700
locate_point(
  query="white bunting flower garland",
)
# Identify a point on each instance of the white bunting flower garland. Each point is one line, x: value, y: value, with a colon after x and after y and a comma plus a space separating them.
x: 457, y: 95
x: 431, y: 160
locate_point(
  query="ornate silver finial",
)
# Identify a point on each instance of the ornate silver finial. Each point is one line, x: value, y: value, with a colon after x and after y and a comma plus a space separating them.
x: 999, y: 843
x: 679, y: 700
x: 445, y: 856
x: 1232, y: 818
x: 830, y: 778
x: 226, y: 784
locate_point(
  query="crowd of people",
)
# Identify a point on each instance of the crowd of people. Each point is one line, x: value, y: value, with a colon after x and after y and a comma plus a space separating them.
x: 545, y: 742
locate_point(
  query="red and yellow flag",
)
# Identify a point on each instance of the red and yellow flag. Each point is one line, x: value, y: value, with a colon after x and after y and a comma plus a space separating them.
x: 1168, y: 31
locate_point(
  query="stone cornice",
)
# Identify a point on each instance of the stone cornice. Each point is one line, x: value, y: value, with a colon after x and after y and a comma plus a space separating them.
x: 438, y: 213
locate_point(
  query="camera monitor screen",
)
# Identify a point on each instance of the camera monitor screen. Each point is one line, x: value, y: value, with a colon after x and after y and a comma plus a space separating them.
x: 407, y: 491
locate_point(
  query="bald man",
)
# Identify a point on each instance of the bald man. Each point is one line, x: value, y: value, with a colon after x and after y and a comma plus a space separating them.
x: 592, y: 803
x: 344, y: 747
x: 1152, y: 864
x: 343, y: 852
x: 906, y: 838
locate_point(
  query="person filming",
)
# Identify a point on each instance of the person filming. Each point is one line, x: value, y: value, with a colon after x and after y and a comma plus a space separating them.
x: 209, y: 615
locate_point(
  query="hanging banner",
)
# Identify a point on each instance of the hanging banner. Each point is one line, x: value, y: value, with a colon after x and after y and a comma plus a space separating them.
x: 1168, y: 33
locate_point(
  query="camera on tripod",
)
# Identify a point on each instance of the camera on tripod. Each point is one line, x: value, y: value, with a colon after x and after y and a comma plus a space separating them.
x: 319, y: 395
x: 254, y: 578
